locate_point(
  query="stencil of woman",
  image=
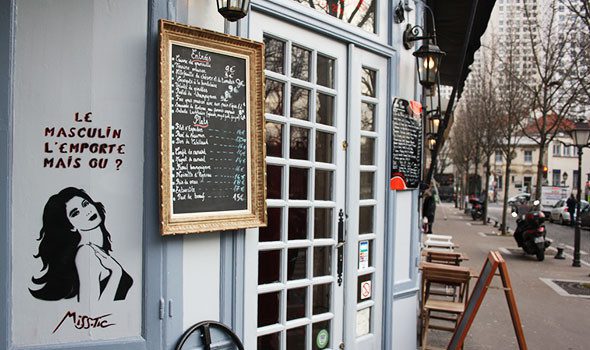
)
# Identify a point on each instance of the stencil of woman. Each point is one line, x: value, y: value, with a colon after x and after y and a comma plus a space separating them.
x: 75, y: 249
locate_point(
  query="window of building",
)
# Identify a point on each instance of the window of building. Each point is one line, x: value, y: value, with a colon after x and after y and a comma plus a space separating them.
x: 498, y: 156
x: 567, y: 151
x: 528, y: 156
x: 575, y: 178
x: 360, y: 13
x: 556, y: 177
x: 557, y: 150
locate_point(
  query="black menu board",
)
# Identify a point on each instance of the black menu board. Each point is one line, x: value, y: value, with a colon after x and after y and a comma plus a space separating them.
x: 406, y: 156
x: 212, y: 166
x: 209, y: 131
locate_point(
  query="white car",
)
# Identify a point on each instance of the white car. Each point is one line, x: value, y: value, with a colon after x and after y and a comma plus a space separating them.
x: 521, y: 197
x: 560, y: 213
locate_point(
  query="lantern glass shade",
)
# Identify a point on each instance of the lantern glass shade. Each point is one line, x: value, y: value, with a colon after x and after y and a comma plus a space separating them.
x: 233, y: 10
x: 431, y: 142
x: 428, y: 58
x: 433, y: 123
x: 581, y: 133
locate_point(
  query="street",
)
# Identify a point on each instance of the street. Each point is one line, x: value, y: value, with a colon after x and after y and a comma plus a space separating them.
x: 551, y: 319
x: 559, y: 234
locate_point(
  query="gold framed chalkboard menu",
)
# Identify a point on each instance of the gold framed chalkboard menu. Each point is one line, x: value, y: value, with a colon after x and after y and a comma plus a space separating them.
x: 212, y: 152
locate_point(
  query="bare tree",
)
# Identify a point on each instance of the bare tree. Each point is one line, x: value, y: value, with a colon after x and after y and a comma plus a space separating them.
x: 512, y: 108
x: 461, y: 150
x: 552, y: 89
x: 581, y: 10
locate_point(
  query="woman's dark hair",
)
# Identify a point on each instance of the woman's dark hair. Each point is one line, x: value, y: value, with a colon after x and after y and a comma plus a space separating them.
x: 58, y: 247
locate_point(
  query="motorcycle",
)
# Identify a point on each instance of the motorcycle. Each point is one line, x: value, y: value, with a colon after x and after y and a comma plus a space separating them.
x: 530, y: 233
x: 476, y: 209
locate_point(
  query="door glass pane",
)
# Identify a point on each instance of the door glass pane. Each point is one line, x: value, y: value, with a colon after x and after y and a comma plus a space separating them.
x: 367, y: 116
x: 325, y: 71
x: 268, y: 308
x: 325, y: 109
x: 299, y: 103
x: 322, y: 261
x: 274, y: 181
x: 274, y: 139
x: 297, y: 264
x: 299, y: 143
x: 298, y: 183
x: 272, y: 231
x: 296, y: 338
x: 269, y: 266
x: 364, y: 288
x: 296, y: 303
x: 269, y: 342
x: 365, y: 254
x: 323, y: 185
x: 324, y: 147
x: 368, y: 80
x: 322, y: 294
x: 366, y: 181
x: 367, y: 151
x: 363, y: 322
x: 274, y: 54
x: 324, y: 327
x: 323, y: 223
x: 297, y: 223
x: 366, y: 220
x: 274, y: 97
x: 300, y: 60
x: 359, y: 13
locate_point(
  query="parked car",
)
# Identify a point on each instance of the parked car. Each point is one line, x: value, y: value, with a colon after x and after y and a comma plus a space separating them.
x: 521, y: 197
x: 585, y: 216
x: 560, y: 213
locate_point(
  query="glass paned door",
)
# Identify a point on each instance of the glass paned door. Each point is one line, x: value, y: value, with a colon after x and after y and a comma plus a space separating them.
x: 366, y: 187
x: 300, y: 302
x: 326, y: 109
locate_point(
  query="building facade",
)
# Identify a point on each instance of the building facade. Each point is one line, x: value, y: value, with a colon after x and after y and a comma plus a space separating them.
x: 84, y: 264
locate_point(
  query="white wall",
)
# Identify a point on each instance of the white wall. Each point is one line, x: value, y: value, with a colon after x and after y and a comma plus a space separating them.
x: 405, y: 328
x: 201, y: 252
x: 78, y: 56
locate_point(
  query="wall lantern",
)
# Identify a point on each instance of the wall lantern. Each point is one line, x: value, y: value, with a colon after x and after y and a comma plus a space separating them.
x: 433, y: 119
x: 428, y: 56
x: 581, y: 133
x: 431, y: 142
x: 233, y: 10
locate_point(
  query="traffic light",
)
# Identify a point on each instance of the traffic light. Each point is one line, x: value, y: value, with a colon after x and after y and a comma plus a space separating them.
x: 545, y: 170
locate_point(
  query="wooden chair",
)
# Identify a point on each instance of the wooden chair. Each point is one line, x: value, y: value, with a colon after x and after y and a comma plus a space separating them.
x: 446, y: 258
x: 448, y: 311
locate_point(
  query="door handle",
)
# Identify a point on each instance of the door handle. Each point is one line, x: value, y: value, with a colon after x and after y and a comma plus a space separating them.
x: 340, y: 246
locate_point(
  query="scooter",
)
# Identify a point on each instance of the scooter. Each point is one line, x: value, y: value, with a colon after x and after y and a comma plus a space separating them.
x: 530, y: 232
x: 476, y: 209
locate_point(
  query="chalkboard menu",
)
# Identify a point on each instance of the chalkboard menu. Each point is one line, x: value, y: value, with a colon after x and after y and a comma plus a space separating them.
x: 406, y: 156
x: 211, y: 131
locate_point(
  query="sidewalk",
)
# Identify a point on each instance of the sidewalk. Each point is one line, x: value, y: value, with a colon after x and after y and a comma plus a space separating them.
x: 550, y: 321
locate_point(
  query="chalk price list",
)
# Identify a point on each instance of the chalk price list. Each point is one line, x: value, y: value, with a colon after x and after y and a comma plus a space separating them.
x: 209, y: 138
x: 406, y: 147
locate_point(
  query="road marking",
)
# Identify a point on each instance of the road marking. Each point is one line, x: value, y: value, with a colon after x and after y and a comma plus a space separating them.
x: 570, y: 256
x: 468, y: 223
x: 482, y: 234
x: 557, y: 289
x: 504, y: 250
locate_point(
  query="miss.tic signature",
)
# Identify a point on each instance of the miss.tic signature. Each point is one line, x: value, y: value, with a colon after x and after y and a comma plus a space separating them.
x: 85, y: 322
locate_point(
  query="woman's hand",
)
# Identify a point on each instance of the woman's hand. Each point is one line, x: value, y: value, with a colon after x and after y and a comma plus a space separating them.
x: 107, y: 261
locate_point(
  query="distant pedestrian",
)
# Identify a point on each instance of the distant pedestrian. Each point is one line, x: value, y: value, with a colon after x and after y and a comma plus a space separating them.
x: 428, y: 209
x: 571, y: 208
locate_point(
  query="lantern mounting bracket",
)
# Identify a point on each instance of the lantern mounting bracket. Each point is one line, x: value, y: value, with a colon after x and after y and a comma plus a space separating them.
x: 414, y: 33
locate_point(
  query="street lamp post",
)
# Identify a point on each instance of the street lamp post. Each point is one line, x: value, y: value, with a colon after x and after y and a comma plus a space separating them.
x: 581, y: 136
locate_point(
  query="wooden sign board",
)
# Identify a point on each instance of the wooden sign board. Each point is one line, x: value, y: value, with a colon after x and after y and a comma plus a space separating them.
x: 406, y: 147
x: 492, y: 264
x: 212, y: 152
